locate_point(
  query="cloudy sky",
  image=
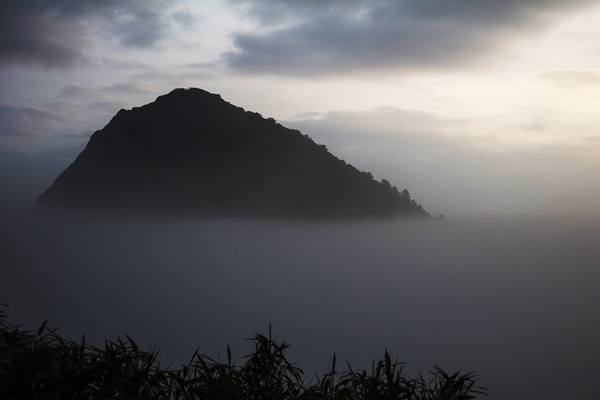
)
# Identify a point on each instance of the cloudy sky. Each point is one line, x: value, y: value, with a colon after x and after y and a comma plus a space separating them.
x: 475, y: 106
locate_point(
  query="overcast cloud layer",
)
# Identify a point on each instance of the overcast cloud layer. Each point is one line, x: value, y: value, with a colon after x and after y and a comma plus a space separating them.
x: 294, y: 37
x: 335, y: 36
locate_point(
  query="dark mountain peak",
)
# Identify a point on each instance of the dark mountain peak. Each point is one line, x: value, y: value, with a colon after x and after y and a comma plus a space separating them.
x: 192, y: 153
x: 190, y: 96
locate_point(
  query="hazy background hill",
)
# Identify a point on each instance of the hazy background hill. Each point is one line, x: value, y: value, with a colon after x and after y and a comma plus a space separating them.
x: 24, y: 176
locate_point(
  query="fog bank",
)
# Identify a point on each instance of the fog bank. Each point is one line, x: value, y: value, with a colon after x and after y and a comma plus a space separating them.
x: 515, y: 300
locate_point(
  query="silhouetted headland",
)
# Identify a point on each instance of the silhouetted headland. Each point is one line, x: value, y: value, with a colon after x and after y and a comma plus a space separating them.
x: 190, y: 153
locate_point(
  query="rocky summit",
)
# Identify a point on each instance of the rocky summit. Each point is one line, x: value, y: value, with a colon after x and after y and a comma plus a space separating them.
x: 190, y: 153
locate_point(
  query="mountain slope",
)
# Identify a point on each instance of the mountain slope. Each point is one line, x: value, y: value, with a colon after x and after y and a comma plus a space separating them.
x: 192, y: 153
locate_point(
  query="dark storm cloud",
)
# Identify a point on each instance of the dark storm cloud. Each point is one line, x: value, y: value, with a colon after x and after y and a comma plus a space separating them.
x: 53, y: 33
x: 32, y: 33
x: 331, y: 36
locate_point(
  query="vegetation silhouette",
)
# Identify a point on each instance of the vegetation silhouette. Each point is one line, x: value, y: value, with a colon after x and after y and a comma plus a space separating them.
x: 192, y: 153
x: 42, y: 365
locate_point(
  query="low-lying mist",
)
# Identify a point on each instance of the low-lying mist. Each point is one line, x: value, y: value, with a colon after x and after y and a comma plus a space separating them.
x: 515, y: 300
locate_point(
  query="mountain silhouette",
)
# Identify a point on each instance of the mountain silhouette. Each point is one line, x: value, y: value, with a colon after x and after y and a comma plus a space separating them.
x: 190, y: 153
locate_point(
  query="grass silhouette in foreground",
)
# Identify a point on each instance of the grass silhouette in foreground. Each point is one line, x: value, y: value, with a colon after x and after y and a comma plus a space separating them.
x: 42, y: 365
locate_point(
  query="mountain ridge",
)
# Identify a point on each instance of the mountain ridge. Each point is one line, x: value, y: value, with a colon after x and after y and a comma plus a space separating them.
x: 192, y: 153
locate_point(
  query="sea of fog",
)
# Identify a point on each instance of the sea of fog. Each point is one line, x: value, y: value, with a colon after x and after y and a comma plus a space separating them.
x: 517, y: 300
